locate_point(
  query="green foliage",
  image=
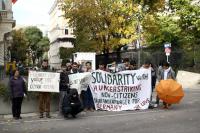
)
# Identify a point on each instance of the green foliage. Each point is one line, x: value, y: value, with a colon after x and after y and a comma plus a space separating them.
x: 19, y: 45
x: 161, y: 29
x: 188, y: 13
x: 83, y: 43
x: 66, y: 53
x: 105, y: 25
x: 4, y: 92
x: 37, y: 44
x: 43, y: 46
x: 180, y: 25
x: 33, y: 36
x: 28, y: 45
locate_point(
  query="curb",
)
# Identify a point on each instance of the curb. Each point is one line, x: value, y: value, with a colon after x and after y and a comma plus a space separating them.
x: 9, y: 116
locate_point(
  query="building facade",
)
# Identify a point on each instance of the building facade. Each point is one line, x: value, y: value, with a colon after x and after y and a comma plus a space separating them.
x: 60, y: 34
x: 6, y: 25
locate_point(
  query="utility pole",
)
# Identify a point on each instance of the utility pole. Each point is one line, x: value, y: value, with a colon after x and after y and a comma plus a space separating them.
x: 139, y: 44
x: 139, y: 36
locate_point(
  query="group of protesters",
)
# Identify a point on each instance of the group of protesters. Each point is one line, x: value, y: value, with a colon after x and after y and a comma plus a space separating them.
x: 18, y: 86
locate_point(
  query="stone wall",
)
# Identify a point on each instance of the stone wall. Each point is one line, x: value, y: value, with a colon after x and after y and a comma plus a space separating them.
x: 28, y: 106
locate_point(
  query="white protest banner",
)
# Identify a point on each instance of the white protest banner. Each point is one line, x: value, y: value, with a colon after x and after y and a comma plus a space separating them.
x: 126, y: 90
x: 80, y: 81
x: 43, y: 81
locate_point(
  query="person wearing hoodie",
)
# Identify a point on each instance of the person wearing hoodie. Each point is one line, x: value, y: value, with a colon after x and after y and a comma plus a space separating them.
x: 18, y: 91
x: 165, y: 73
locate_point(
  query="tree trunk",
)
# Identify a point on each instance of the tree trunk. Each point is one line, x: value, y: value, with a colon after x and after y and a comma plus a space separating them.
x: 105, y: 51
x: 119, y: 55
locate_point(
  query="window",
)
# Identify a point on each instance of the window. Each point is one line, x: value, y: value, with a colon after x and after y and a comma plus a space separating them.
x: 3, y: 5
x: 66, y: 32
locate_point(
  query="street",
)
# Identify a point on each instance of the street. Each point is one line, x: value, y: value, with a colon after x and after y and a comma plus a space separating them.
x: 182, y: 118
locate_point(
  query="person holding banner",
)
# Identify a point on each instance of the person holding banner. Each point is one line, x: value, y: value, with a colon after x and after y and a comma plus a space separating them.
x: 87, y: 95
x: 132, y: 65
x: 44, y: 97
x: 64, y: 85
x: 126, y: 63
x: 68, y: 67
x: 113, y: 68
x: 18, y: 91
x: 148, y: 65
x: 101, y: 66
x: 75, y: 68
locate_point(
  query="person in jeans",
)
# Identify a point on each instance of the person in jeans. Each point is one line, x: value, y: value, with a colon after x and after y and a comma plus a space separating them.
x: 44, y: 97
x: 64, y: 85
x: 165, y: 73
x: 18, y: 91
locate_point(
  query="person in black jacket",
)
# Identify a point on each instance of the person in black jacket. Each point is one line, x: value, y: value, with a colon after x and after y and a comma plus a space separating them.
x: 71, y: 104
x: 64, y: 85
x: 18, y: 91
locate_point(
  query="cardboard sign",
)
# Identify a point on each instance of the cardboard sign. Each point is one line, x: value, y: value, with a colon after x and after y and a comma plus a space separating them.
x: 43, y: 81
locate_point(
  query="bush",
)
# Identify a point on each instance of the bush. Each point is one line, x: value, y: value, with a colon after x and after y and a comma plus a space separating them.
x: 4, y: 92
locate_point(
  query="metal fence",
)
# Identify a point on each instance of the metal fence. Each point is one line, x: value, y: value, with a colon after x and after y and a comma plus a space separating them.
x: 179, y: 59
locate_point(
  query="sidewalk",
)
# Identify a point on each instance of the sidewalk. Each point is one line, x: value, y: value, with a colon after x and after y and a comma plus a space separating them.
x: 5, y: 81
x: 9, y: 116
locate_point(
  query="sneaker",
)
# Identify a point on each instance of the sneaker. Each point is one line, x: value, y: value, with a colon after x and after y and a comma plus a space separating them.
x: 165, y: 107
x: 48, y: 115
x: 155, y: 105
x: 91, y: 109
x: 16, y: 118
x: 151, y: 107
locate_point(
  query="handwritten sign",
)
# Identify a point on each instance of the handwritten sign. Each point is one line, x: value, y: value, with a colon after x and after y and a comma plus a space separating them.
x: 80, y: 81
x: 126, y: 90
x: 43, y: 81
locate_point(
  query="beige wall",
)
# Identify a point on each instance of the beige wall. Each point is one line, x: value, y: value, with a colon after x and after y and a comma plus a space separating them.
x: 6, y: 25
x: 57, y: 27
x: 58, y: 24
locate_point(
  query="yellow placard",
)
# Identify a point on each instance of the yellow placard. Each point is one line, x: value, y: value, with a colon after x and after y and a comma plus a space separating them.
x: 10, y: 66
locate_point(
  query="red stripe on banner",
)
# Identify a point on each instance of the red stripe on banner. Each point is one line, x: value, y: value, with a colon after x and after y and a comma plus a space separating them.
x: 13, y: 1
